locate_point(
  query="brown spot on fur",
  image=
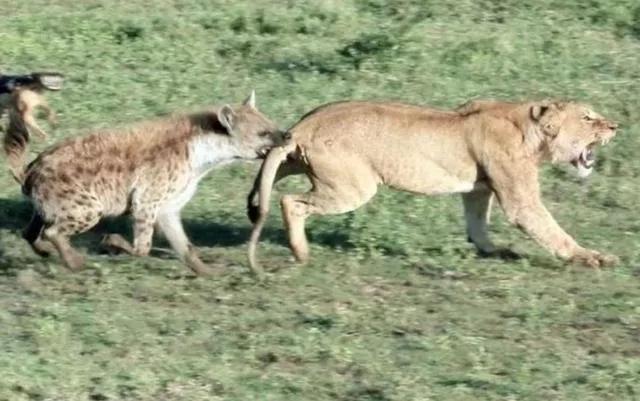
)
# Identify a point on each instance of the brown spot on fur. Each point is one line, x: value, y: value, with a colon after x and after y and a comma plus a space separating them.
x: 79, y: 169
x: 171, y: 143
x: 64, y: 178
x: 81, y: 203
x: 114, y: 152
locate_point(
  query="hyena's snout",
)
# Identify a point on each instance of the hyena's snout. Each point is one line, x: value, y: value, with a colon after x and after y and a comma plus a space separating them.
x: 276, y: 138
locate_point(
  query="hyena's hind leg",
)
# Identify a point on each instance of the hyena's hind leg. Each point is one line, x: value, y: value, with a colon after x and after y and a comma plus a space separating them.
x: 63, y: 227
x: 33, y: 235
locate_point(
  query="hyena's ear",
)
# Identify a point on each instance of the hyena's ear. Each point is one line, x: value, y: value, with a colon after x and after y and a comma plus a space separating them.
x: 227, y: 118
x: 251, y: 100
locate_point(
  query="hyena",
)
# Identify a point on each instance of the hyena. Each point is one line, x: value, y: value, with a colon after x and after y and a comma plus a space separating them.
x: 150, y: 170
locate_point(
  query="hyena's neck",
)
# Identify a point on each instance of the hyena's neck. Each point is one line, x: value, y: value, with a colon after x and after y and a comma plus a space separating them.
x: 208, y: 150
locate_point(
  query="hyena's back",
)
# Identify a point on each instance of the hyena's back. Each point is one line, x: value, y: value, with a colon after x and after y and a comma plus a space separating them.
x: 99, y: 175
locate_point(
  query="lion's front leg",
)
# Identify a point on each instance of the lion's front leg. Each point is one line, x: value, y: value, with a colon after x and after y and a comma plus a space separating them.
x: 536, y: 221
x: 477, y: 207
x: 519, y: 196
x: 477, y: 212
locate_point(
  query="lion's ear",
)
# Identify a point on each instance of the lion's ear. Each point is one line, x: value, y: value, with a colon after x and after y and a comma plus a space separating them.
x: 538, y: 110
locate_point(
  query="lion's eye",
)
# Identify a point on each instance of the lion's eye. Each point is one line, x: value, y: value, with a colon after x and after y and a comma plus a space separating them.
x: 587, y: 117
x: 263, y: 133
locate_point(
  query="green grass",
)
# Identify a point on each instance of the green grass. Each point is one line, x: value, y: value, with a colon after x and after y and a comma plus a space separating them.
x: 395, y: 304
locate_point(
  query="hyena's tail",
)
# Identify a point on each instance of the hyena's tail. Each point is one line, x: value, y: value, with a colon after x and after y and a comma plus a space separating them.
x: 16, y: 139
x: 265, y: 181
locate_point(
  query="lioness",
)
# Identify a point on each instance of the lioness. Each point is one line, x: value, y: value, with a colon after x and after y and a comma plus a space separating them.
x: 480, y: 149
x: 150, y: 170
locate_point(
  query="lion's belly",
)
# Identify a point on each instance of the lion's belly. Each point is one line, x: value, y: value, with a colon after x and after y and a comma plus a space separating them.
x: 431, y: 178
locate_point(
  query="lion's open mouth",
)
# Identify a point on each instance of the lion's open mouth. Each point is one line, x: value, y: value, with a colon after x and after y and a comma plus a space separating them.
x: 586, y: 160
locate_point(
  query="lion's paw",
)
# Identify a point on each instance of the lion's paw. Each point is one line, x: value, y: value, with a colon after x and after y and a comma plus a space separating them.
x: 595, y: 259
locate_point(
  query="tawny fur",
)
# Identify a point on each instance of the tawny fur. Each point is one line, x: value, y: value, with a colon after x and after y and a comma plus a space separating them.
x: 149, y: 170
x: 21, y: 106
x: 481, y: 149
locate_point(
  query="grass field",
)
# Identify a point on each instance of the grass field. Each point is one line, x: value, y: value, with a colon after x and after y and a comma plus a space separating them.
x: 395, y: 305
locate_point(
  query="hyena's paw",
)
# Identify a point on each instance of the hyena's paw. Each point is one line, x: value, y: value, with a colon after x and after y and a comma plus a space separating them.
x: 74, y: 261
x: 43, y: 248
x: 115, y: 243
x: 193, y: 262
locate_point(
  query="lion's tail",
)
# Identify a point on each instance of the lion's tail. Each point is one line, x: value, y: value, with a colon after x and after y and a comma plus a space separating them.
x: 266, y: 179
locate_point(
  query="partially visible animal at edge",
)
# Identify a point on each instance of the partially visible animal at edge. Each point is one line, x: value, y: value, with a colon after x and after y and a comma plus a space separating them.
x: 20, y: 96
x: 149, y: 170
x: 482, y: 149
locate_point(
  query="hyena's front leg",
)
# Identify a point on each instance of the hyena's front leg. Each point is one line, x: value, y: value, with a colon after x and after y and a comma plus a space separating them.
x: 170, y: 224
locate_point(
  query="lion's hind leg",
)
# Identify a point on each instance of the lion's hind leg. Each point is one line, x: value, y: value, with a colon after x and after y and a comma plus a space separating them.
x: 340, y: 195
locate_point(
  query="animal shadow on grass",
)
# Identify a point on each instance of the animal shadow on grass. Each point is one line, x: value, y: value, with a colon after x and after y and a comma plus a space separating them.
x: 15, y: 214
